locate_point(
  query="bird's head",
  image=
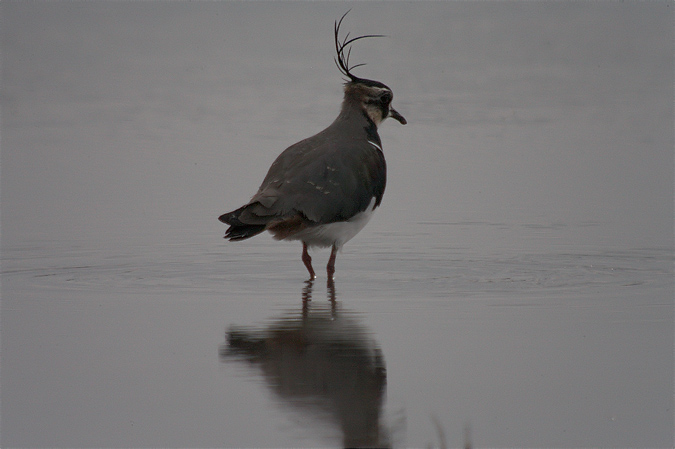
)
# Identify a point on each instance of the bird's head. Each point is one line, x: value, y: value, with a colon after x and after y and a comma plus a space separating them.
x: 373, y: 97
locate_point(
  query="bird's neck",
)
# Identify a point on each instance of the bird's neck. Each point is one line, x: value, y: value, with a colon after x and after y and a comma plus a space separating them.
x: 356, y: 118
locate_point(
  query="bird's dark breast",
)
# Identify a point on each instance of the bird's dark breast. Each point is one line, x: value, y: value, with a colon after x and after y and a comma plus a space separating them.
x: 376, y: 173
x: 377, y: 166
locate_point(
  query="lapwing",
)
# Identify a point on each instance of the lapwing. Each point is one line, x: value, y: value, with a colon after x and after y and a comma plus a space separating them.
x: 323, y: 190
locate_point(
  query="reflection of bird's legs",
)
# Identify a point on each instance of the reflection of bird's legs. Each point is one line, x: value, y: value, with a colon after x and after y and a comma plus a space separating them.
x: 306, y: 297
x: 307, y: 260
x: 307, y: 290
x: 332, y: 296
x: 330, y: 269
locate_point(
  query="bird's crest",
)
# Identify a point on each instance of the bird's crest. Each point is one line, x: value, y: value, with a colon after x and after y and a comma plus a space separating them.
x: 343, y: 50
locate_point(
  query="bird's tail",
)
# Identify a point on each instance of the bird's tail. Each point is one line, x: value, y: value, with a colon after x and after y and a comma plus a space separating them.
x: 239, y: 230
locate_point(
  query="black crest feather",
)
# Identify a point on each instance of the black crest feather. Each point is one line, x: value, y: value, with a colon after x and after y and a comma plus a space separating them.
x: 343, y: 50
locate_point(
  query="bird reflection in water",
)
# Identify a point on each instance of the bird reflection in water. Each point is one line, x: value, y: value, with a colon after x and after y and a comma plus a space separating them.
x: 319, y: 361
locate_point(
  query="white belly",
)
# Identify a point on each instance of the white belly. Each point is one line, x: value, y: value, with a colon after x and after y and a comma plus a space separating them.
x: 337, y: 233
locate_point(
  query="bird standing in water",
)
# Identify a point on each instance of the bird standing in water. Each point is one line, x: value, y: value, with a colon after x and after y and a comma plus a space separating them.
x: 323, y: 190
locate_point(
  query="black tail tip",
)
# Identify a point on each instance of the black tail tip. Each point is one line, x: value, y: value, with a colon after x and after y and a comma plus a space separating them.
x: 235, y: 233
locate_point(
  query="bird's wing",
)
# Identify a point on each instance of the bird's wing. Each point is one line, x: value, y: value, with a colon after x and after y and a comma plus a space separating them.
x: 326, y: 183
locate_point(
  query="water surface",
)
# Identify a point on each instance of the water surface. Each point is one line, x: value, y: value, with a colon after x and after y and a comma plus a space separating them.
x: 517, y: 281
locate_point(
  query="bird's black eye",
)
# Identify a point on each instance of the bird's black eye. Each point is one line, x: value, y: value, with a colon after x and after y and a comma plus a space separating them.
x: 386, y: 97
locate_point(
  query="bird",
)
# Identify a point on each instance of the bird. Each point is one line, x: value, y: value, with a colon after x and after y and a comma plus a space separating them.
x: 323, y: 190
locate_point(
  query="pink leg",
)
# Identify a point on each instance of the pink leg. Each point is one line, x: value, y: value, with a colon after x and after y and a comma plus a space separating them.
x: 307, y: 260
x: 330, y: 269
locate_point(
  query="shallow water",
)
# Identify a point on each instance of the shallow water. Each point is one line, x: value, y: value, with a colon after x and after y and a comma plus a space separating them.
x: 187, y: 346
x: 515, y: 288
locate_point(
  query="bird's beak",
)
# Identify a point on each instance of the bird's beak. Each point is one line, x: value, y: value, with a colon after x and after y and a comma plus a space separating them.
x: 393, y: 113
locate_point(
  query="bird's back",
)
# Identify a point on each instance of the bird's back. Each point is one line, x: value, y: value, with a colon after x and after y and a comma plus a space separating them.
x: 329, y: 177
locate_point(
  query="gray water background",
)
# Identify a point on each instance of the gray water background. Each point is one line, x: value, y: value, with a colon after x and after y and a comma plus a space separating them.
x: 517, y: 280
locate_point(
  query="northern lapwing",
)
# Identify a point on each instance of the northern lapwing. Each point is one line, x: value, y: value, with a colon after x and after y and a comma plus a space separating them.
x: 323, y: 190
